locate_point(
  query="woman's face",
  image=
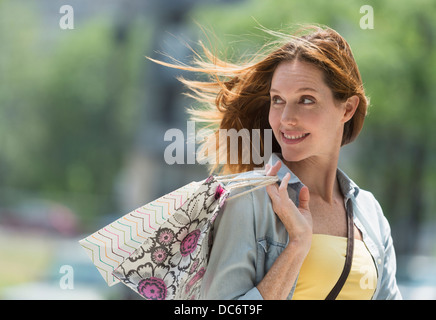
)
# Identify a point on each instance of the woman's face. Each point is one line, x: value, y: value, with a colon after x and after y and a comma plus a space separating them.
x: 305, y: 118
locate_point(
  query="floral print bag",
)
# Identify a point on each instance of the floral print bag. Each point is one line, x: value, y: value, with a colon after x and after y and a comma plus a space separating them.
x: 172, y: 260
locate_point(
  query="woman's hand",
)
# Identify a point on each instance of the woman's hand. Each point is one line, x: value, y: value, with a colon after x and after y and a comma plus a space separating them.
x: 297, y: 221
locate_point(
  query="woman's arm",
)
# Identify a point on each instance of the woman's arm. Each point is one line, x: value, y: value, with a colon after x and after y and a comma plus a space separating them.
x: 279, y: 280
x: 231, y: 270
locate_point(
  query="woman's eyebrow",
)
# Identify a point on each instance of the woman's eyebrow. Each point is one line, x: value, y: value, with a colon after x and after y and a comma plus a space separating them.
x: 307, y: 89
x: 299, y: 90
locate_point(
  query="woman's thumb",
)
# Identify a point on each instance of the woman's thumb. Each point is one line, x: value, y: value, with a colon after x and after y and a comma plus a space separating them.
x: 304, y: 198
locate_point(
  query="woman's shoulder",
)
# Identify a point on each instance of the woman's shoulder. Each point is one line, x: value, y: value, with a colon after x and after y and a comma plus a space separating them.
x: 367, y: 199
x: 364, y: 200
x: 372, y: 213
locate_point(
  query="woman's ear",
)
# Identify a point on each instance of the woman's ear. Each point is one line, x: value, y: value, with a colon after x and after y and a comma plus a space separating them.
x: 350, y: 107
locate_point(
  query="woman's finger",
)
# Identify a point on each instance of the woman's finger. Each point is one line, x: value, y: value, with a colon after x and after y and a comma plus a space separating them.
x: 272, y: 191
x: 272, y: 170
x: 283, y: 189
x: 267, y: 169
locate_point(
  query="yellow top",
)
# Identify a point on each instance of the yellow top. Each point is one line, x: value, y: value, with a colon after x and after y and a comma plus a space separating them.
x: 324, y: 264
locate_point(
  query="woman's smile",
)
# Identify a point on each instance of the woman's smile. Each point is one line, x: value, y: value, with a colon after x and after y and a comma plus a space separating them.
x: 293, y: 137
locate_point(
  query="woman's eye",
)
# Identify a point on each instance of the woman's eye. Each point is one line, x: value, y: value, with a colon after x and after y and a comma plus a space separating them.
x: 307, y: 100
x: 277, y: 100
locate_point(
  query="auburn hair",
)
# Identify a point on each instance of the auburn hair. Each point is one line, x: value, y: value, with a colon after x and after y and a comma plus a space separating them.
x: 236, y: 95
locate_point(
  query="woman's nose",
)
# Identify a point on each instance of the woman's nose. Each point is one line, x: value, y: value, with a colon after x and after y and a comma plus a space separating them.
x: 289, y: 116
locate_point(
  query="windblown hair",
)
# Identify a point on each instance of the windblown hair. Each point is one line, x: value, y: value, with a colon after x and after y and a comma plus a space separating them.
x: 237, y: 95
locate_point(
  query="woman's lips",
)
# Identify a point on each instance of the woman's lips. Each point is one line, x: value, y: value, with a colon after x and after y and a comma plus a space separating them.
x: 293, y: 137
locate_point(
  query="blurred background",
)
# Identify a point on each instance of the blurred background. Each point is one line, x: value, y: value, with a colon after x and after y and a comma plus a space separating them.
x: 83, y: 115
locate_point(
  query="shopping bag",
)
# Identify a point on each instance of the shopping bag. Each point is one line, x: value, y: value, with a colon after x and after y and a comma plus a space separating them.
x: 111, y: 245
x: 172, y: 260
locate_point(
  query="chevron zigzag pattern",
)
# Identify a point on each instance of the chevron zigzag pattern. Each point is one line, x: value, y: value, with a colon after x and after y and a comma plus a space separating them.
x: 111, y: 245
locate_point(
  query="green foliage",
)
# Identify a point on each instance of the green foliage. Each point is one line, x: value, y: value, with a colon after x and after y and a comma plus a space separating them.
x: 67, y: 107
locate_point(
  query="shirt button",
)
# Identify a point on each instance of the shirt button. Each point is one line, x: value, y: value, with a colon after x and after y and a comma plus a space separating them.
x: 379, y: 261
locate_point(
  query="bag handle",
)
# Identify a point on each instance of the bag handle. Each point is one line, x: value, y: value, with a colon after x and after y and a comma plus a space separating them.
x: 255, y: 182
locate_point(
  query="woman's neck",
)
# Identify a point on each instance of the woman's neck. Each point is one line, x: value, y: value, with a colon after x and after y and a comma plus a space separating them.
x: 319, y: 175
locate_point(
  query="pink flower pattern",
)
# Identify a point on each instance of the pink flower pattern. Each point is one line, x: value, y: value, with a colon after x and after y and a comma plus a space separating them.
x: 152, y: 288
x: 171, y: 263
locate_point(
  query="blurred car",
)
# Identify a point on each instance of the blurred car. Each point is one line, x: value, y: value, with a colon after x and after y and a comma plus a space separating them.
x: 40, y: 215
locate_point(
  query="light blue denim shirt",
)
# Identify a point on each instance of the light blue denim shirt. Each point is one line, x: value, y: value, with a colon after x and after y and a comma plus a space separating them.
x: 248, y: 238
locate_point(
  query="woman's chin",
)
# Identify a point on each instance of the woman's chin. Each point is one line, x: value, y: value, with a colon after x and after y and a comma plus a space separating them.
x: 292, y: 156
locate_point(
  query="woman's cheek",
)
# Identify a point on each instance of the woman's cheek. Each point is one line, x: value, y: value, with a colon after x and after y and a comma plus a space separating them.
x: 274, y: 119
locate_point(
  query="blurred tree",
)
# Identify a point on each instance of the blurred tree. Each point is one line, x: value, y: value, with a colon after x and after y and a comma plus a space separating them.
x: 67, y: 108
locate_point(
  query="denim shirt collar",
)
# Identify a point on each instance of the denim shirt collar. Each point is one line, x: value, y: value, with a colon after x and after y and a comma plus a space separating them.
x: 348, y: 187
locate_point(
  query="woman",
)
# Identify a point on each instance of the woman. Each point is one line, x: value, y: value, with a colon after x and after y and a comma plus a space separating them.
x: 296, y: 240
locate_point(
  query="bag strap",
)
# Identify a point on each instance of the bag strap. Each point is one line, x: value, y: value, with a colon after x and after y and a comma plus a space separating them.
x: 349, y: 255
x: 255, y: 182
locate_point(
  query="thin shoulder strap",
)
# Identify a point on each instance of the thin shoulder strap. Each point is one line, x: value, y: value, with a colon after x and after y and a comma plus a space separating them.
x: 349, y: 255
